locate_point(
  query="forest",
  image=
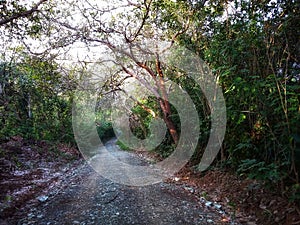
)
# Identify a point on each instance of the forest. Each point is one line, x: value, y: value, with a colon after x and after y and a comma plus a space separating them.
x: 51, y: 49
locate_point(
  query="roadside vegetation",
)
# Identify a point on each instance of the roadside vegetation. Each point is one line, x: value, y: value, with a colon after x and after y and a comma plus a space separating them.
x: 252, y: 47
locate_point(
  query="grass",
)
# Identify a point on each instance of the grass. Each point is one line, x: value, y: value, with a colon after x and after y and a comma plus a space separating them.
x: 123, y: 146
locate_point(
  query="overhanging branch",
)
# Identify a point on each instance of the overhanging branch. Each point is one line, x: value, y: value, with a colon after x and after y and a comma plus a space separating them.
x: 22, y: 14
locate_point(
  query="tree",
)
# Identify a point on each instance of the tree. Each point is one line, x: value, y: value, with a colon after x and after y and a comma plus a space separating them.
x: 35, y: 91
x: 120, y: 30
x: 35, y: 101
x: 254, y: 52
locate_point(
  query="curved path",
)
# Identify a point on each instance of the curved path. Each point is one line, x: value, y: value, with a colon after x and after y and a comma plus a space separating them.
x: 85, y: 197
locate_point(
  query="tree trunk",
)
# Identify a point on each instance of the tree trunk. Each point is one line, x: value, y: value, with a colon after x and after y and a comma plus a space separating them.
x: 164, y: 103
x: 165, y: 106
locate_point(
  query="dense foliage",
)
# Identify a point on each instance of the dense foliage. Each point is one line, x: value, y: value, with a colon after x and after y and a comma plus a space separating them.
x: 255, y: 51
x: 256, y: 55
x: 35, y: 102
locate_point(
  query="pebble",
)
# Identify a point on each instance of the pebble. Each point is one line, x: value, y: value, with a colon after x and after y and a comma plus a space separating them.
x: 176, y: 179
x: 43, y: 198
x: 40, y: 216
x: 208, y: 204
x: 189, y: 189
x: 217, y: 206
x: 30, y: 215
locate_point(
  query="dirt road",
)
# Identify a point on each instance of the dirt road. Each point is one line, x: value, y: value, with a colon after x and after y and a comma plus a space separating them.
x: 85, y: 197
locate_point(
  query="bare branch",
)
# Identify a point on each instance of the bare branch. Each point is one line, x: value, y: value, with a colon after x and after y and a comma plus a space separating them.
x: 143, y: 82
x: 177, y: 34
x: 145, y: 107
x: 146, y: 15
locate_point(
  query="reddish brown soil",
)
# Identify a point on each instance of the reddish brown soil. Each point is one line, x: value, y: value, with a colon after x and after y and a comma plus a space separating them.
x: 246, y: 199
x: 28, y: 170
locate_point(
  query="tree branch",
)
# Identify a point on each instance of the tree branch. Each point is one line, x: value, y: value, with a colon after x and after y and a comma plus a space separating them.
x: 22, y: 14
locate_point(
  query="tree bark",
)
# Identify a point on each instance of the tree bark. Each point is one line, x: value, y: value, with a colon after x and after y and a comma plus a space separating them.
x: 165, y: 104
